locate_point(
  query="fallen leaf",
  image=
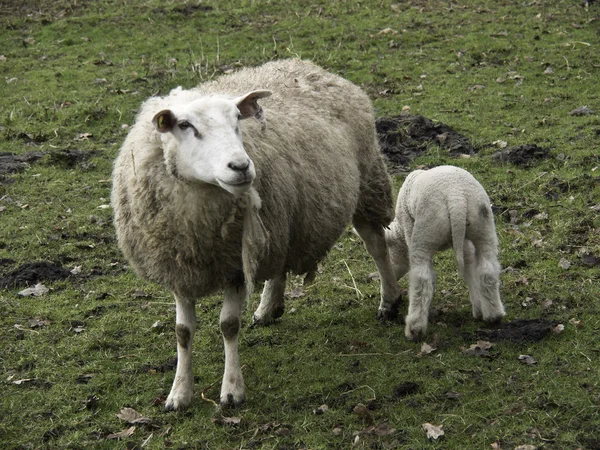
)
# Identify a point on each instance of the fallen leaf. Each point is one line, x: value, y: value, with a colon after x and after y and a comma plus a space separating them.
x: 361, y: 411
x: 564, y: 263
x: 582, y: 111
x: 452, y: 395
x: 433, y: 431
x: 321, y: 409
x: 476, y: 87
x: 495, y: 446
x: 576, y: 323
x: 549, y: 70
x: 122, y: 434
x: 37, y: 291
x: 337, y: 431
x: 38, y: 323
x: 426, y: 349
x: 24, y: 380
x: 526, y: 359
x: 147, y: 440
x: 500, y: 144
x: 479, y: 349
x: 377, y: 430
x: 228, y: 421
x: 526, y: 447
x: 131, y: 416
x: 558, y: 328
x: 76, y: 270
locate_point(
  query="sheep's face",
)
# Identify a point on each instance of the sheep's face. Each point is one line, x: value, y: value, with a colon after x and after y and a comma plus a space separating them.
x: 208, y: 140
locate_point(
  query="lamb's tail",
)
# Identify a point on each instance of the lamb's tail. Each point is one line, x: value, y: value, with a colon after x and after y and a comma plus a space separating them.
x: 254, y: 238
x: 457, y: 210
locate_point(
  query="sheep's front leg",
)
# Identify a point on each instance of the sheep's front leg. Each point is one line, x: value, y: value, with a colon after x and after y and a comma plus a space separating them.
x: 374, y: 240
x: 181, y: 393
x: 271, y: 301
x: 232, y: 389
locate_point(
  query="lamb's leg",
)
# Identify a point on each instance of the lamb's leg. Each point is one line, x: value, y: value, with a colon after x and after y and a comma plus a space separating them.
x: 374, y: 240
x: 181, y: 393
x: 470, y: 276
x: 232, y: 390
x: 271, y: 304
x: 420, y: 293
x: 487, y: 273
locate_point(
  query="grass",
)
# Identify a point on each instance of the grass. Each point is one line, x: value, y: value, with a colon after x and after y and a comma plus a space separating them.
x: 73, y: 75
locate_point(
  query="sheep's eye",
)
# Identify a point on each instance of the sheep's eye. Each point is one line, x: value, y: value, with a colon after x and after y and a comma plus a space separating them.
x: 184, y: 125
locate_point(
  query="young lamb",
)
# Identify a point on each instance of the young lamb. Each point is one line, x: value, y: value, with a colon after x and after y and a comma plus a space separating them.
x: 202, y: 205
x: 438, y: 208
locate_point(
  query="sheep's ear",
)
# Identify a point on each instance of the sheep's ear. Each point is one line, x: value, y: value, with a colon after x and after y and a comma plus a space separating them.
x: 248, y: 104
x: 164, y: 120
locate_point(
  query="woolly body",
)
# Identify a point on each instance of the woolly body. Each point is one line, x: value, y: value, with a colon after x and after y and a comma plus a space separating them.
x: 437, y: 209
x: 317, y: 169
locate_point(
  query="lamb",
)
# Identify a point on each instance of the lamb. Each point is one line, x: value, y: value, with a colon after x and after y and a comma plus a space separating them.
x: 438, y: 208
x: 202, y: 205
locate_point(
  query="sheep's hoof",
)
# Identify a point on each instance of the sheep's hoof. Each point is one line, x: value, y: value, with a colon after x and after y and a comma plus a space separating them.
x: 174, y: 405
x: 268, y: 319
x: 390, y: 313
x: 231, y: 402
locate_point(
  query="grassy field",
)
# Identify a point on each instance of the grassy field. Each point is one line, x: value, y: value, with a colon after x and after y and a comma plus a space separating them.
x: 503, y: 74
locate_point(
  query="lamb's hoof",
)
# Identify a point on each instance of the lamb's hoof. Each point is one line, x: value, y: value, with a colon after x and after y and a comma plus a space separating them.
x: 390, y: 313
x: 230, y: 401
x: 414, y: 331
x: 494, y: 320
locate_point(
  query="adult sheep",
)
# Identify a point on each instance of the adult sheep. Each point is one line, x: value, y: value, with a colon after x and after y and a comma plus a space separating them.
x: 200, y: 205
x: 436, y: 209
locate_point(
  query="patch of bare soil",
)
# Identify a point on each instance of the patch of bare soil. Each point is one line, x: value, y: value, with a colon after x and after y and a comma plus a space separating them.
x: 402, y: 138
x: 519, y: 330
x: 523, y: 155
x: 31, y: 273
x: 11, y: 163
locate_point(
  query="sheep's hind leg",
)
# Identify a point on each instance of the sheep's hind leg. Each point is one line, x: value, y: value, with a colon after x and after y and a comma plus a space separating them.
x: 271, y: 304
x: 420, y: 292
x: 233, y: 389
x: 374, y: 240
x: 182, y: 391
x: 470, y: 276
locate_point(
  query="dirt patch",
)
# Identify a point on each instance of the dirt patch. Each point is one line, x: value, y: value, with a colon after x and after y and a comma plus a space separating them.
x: 69, y: 158
x: 402, y: 138
x: 31, y: 273
x: 523, y: 155
x: 405, y: 389
x: 11, y: 163
x: 519, y: 330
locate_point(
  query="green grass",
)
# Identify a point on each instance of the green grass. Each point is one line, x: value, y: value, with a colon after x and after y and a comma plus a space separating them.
x: 72, y: 78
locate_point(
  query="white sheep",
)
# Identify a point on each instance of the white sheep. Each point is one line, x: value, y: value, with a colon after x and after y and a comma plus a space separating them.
x: 438, y: 208
x: 201, y: 205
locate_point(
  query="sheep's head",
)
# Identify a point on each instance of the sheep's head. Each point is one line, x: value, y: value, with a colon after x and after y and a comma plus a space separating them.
x: 208, y: 144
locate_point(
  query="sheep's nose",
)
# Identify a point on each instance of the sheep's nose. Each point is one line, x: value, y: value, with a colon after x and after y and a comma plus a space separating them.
x: 239, y: 166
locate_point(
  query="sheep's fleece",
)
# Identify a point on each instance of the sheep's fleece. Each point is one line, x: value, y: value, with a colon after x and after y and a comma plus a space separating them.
x: 438, y: 208
x: 205, y: 201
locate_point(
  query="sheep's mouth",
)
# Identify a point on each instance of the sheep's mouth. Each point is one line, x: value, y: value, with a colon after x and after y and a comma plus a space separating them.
x: 236, y: 188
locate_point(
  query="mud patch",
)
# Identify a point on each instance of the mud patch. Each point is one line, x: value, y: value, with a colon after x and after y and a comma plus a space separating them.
x: 69, y: 158
x: 523, y: 155
x: 31, y: 273
x: 168, y: 366
x: 11, y: 163
x: 403, y: 138
x: 519, y: 330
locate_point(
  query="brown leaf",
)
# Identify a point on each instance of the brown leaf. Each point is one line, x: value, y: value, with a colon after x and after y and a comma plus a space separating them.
x: 479, y: 349
x: 526, y: 359
x: 558, y: 329
x: 433, y: 431
x: 361, y: 411
x: 130, y: 415
x: 122, y: 434
x: 576, y: 323
x: 564, y: 263
x: 228, y: 421
x: 426, y: 349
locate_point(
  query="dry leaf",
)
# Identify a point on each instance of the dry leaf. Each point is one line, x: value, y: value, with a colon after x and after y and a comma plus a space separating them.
x: 361, y: 411
x: 76, y: 270
x: 121, y: 434
x: 476, y: 87
x: 433, y: 431
x: 321, y: 409
x: 229, y: 421
x: 24, y: 380
x: 526, y: 359
x: 582, y: 111
x: 337, y: 431
x: 131, y: 416
x: 576, y: 323
x: 564, y: 263
x: 500, y: 144
x: 558, y: 328
x: 426, y: 349
x: 526, y: 447
x: 37, y: 291
x: 479, y: 349
x: 549, y: 70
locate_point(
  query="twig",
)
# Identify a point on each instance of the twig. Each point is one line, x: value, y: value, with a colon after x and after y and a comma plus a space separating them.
x: 535, y: 179
x: 359, y: 294
x: 374, y: 354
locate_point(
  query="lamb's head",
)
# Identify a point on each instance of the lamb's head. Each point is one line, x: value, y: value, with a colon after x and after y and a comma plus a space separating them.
x: 203, y: 140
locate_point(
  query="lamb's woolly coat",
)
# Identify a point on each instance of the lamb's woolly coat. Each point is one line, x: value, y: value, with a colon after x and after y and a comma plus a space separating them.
x: 318, y: 168
x: 437, y: 209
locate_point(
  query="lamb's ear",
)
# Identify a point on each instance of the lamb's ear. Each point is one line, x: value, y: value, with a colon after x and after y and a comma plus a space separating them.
x: 248, y: 104
x: 164, y: 120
